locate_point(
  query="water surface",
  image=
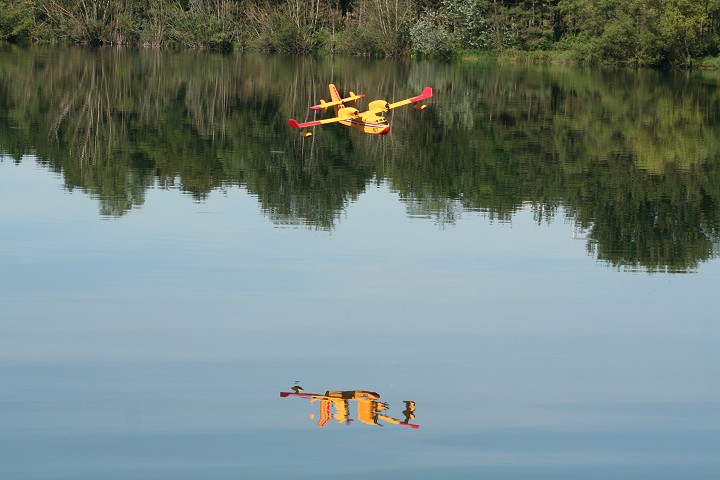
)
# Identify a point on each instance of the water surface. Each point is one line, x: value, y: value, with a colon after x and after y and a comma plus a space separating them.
x: 532, y: 260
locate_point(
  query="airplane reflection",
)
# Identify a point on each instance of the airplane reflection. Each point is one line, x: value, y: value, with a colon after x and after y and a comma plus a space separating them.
x: 369, y: 407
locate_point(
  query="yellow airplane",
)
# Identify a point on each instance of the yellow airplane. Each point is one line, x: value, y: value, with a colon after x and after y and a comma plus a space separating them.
x: 368, y: 407
x: 369, y: 121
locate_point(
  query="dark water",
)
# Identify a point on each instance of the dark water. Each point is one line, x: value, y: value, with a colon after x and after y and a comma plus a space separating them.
x: 532, y: 260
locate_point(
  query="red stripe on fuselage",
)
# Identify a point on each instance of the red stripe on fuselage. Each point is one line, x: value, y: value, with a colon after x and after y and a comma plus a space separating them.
x: 373, y: 125
x: 385, y: 128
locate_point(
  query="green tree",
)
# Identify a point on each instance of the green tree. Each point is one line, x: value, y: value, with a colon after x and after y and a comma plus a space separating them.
x: 682, y: 27
x: 16, y: 21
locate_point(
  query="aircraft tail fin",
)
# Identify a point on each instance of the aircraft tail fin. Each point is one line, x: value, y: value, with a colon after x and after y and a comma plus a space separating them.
x: 335, y: 98
x: 334, y: 94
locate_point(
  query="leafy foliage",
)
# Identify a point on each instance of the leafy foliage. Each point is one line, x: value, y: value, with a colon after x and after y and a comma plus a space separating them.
x: 629, y: 32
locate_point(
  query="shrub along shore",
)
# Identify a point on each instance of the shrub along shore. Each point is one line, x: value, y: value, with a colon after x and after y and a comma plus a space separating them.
x: 661, y: 33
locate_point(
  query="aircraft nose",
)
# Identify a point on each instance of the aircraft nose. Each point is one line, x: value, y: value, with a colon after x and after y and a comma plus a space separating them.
x: 385, y: 130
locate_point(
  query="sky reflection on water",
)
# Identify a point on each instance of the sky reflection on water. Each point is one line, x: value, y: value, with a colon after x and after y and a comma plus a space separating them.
x: 154, y: 345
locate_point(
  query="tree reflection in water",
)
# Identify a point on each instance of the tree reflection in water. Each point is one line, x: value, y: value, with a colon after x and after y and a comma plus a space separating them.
x: 633, y: 158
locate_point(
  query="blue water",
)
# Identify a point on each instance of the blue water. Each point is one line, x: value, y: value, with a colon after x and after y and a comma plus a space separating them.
x: 154, y: 345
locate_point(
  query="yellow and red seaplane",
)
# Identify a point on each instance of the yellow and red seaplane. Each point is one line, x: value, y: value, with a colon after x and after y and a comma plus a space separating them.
x: 369, y: 407
x: 369, y: 121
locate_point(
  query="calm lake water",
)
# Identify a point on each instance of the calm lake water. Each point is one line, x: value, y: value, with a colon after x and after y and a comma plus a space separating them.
x: 532, y: 260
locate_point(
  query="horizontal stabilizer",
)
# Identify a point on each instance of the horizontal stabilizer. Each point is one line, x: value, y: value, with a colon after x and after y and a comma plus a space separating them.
x: 323, y: 105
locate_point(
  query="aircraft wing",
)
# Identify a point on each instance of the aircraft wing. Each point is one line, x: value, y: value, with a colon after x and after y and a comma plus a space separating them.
x: 380, y: 106
x: 294, y: 123
x: 426, y: 93
x: 350, y: 114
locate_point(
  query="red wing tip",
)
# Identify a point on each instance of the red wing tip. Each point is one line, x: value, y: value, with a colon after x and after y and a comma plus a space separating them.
x: 315, y: 107
x: 301, y: 395
x: 426, y: 93
x: 292, y: 123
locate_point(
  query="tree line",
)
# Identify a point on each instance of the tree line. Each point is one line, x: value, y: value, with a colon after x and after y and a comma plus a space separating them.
x: 682, y: 33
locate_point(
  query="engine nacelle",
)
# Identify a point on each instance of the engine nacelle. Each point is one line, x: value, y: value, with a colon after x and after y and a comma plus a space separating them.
x: 347, y: 112
x: 379, y: 106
